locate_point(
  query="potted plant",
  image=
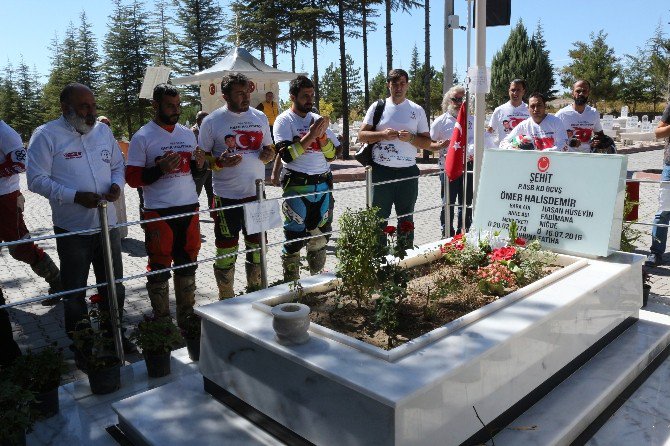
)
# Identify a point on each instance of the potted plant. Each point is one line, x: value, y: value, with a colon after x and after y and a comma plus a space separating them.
x: 40, y: 372
x: 96, y: 347
x: 16, y: 416
x: 191, y: 334
x: 157, y: 337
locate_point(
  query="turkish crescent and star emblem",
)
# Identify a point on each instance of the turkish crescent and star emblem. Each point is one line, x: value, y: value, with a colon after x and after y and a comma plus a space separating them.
x: 543, y: 164
x: 248, y: 139
x: 212, y: 89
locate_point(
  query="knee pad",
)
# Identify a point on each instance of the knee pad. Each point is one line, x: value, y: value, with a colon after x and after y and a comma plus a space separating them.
x: 228, y: 261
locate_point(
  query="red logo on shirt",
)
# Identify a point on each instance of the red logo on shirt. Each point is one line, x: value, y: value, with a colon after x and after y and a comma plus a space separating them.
x: 583, y: 135
x: 543, y: 164
x: 248, y: 139
x: 544, y: 143
x: 212, y: 89
x: 72, y: 155
x: 515, y: 121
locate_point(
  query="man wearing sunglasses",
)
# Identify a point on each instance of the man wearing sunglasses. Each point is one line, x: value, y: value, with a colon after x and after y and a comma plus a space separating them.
x: 511, y: 113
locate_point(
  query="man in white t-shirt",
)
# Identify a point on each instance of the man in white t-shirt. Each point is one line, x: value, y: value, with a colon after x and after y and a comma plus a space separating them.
x: 305, y: 146
x: 162, y: 159
x: 238, y: 144
x: 12, y: 225
x: 508, y: 115
x: 75, y: 162
x: 539, y: 132
x: 581, y: 121
x: 440, y: 134
x: 402, y: 129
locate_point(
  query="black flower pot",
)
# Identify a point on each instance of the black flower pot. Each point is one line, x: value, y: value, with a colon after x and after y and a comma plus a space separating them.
x: 646, y: 289
x: 107, y: 379
x: 46, y: 404
x: 193, y: 347
x: 18, y: 439
x: 158, y: 364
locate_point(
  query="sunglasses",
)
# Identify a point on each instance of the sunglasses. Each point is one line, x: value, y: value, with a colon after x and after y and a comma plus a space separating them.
x: 457, y: 99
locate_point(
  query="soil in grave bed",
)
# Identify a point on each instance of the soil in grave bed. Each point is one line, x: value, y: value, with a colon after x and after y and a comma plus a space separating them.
x: 438, y: 293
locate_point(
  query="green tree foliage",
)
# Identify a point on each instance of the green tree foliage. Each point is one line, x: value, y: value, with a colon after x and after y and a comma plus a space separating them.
x: 635, y: 82
x: 201, y: 42
x: 9, y: 97
x: 594, y: 61
x: 658, y: 48
x: 258, y: 24
x: 389, y: 6
x: 86, y: 54
x: 331, y: 87
x: 521, y: 57
x: 127, y: 54
x: 378, y: 86
x: 27, y: 105
x: 162, y: 39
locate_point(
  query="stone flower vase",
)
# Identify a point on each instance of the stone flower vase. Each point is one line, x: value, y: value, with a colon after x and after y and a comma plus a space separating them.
x: 290, y: 322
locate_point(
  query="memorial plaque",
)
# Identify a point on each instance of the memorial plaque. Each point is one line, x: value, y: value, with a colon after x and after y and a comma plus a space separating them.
x: 570, y: 202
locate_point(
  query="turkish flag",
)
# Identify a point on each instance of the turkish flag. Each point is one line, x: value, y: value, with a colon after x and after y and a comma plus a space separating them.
x: 454, y: 161
x: 248, y: 139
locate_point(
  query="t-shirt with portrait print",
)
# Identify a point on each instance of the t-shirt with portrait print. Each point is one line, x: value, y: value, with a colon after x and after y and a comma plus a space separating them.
x: 548, y: 135
x: 506, y: 116
x: 243, y: 133
x: 150, y: 143
x: 404, y: 116
x: 580, y: 125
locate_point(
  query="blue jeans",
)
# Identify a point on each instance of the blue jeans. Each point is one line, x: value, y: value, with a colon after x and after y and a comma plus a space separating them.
x: 76, y: 254
x: 659, y: 235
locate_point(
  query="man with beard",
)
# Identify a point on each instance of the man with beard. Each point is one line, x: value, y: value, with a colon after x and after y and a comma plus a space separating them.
x: 539, y: 132
x: 238, y: 144
x: 508, y: 115
x: 440, y: 134
x: 162, y: 159
x: 582, y: 119
x: 75, y: 162
x: 306, y: 147
x: 12, y: 225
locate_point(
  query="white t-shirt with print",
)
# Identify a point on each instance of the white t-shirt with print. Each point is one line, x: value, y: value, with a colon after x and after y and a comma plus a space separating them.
x: 506, y: 116
x: 11, y: 151
x: 405, y: 116
x: 287, y: 127
x: 581, y: 125
x: 177, y: 187
x: 251, y: 133
x: 442, y: 128
x: 548, y: 135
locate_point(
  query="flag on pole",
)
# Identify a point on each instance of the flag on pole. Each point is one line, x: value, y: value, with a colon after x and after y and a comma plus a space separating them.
x: 454, y: 162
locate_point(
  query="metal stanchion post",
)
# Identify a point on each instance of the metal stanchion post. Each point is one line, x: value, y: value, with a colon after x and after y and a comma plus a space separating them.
x: 445, y: 206
x: 111, y: 284
x: 368, y: 186
x: 260, y: 196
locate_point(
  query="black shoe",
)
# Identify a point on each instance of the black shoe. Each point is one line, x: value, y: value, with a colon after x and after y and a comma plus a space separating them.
x: 654, y: 259
x: 50, y: 302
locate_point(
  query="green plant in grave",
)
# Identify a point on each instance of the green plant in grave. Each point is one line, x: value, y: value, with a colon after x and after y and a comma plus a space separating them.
x: 629, y: 235
x: 358, y: 253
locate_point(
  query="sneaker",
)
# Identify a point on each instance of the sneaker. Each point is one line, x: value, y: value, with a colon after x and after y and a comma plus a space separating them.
x: 654, y: 259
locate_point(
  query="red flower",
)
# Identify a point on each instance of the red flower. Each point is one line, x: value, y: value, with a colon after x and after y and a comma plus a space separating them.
x: 406, y: 226
x: 458, y: 236
x: 96, y: 299
x: 389, y: 230
x: 505, y: 253
x: 520, y: 241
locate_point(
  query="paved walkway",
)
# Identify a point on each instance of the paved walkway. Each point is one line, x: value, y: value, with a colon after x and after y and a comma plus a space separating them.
x: 36, y: 326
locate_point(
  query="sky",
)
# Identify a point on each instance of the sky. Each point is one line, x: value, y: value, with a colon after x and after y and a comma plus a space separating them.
x: 28, y: 26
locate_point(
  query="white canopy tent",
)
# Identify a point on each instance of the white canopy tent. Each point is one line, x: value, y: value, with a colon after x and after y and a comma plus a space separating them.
x: 264, y: 78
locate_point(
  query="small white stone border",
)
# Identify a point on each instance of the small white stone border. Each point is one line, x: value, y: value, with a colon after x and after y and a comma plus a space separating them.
x: 426, y: 253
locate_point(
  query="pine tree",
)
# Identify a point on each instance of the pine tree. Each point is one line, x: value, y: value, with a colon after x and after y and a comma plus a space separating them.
x: 126, y: 58
x: 162, y: 39
x: 331, y: 86
x: 378, y: 87
x: 510, y: 62
x: 87, y: 55
x: 27, y: 101
x: 658, y: 48
x: 9, y: 96
x: 201, y: 42
x: 635, y: 84
x: 541, y: 75
x: 394, y: 5
x: 415, y: 89
x: 595, y: 62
